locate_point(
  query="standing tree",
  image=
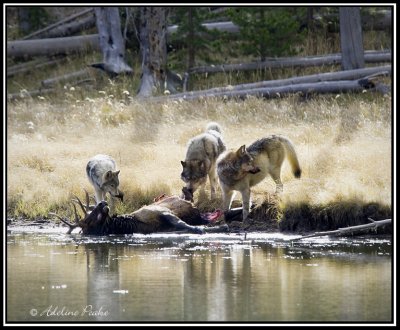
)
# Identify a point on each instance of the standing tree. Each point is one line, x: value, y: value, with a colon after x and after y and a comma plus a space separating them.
x: 351, y: 41
x: 111, y: 41
x: 153, y: 49
x: 269, y: 31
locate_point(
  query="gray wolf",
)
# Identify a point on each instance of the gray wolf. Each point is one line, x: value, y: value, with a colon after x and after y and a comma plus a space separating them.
x: 200, y: 162
x: 242, y: 169
x: 102, y: 174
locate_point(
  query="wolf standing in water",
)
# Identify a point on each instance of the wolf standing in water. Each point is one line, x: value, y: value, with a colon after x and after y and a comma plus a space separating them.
x: 200, y: 162
x: 102, y: 174
x: 242, y: 169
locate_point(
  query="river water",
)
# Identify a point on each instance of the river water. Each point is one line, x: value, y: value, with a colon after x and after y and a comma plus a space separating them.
x: 211, y: 278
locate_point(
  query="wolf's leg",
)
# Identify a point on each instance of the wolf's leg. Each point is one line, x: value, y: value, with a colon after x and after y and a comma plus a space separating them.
x: 213, y: 183
x: 177, y: 223
x: 227, y: 196
x: 276, y: 176
x: 111, y: 205
x: 99, y: 195
x: 246, y: 203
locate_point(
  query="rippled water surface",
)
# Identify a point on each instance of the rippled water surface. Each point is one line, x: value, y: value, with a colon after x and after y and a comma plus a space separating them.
x: 204, y: 278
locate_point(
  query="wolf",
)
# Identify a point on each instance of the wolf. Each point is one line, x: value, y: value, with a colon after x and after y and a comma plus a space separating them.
x: 242, y: 169
x: 102, y: 174
x: 200, y: 162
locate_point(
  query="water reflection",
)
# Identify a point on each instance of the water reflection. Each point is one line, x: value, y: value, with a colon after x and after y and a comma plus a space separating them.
x: 53, y: 278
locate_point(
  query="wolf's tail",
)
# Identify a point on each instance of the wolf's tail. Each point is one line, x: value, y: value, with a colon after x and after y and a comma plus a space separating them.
x: 292, y: 156
x: 214, y: 127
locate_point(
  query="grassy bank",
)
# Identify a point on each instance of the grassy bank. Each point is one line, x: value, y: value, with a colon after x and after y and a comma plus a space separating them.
x: 343, y: 143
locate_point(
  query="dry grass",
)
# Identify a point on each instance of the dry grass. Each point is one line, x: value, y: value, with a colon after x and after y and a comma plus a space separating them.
x: 343, y: 143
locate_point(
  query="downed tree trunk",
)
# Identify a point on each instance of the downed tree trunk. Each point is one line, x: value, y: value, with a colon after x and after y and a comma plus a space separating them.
x: 341, y: 86
x: 52, y: 46
x: 228, y: 26
x: 332, y: 59
x: 67, y: 77
x: 71, y: 28
x: 41, y: 33
x: 328, y: 76
x: 349, y: 230
x: 32, y: 65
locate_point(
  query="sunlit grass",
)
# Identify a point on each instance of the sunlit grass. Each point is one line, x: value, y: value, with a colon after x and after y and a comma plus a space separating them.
x: 343, y: 143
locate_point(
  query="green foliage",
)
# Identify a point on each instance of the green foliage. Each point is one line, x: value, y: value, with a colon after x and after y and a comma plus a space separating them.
x: 38, y: 18
x: 199, y: 42
x: 269, y: 31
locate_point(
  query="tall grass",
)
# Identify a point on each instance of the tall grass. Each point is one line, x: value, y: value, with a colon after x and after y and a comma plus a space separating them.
x: 343, y: 143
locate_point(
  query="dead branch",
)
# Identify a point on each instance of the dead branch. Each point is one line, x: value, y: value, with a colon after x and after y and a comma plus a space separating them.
x: 348, y: 230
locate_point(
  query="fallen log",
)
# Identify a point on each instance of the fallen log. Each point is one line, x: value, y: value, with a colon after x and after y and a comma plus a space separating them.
x: 53, y: 46
x: 324, y: 87
x: 71, y: 28
x: 40, y: 33
x: 348, y: 230
x: 32, y: 65
x: 328, y: 76
x: 332, y: 59
x: 64, y: 78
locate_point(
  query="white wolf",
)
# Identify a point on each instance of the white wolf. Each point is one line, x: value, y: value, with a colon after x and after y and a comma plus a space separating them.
x: 102, y: 174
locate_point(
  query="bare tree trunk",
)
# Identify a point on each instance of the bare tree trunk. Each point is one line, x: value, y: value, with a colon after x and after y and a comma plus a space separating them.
x: 351, y: 41
x: 111, y: 42
x: 153, y: 49
x: 23, y: 20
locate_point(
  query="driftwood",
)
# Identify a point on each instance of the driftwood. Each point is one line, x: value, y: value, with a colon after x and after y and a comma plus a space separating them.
x: 52, y: 46
x: 348, y: 230
x: 42, y: 32
x: 332, y: 59
x: 315, y: 78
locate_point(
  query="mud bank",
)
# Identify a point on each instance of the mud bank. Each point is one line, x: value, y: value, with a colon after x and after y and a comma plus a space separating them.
x: 299, y: 219
x: 305, y: 218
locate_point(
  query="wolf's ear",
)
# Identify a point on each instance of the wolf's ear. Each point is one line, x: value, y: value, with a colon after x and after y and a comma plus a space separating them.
x: 117, y: 172
x: 107, y: 176
x: 241, y: 150
x: 202, y: 165
x: 183, y: 163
